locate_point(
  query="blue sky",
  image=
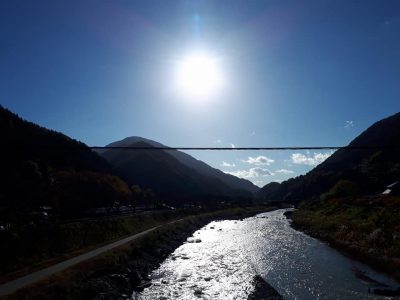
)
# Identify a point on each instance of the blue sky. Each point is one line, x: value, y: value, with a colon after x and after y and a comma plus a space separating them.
x: 296, y: 73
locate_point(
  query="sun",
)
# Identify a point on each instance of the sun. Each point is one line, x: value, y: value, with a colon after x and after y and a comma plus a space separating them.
x: 199, y: 76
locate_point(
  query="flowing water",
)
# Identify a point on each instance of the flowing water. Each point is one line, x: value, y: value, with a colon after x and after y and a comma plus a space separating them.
x: 222, y: 258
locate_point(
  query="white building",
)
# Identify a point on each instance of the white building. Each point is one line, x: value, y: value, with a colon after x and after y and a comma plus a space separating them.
x: 390, y: 188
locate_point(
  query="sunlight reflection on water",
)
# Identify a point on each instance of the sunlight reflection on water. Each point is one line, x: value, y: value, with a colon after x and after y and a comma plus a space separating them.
x: 222, y: 265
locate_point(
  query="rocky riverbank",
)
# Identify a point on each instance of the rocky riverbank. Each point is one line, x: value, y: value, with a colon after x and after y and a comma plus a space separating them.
x: 134, y: 276
x: 124, y: 271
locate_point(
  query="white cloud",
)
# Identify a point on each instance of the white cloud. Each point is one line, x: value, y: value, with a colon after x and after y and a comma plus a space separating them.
x: 218, y: 141
x: 225, y: 164
x: 311, y: 160
x: 349, y: 124
x: 233, y: 146
x: 284, y: 171
x: 251, y: 173
x: 259, y: 160
x: 260, y: 183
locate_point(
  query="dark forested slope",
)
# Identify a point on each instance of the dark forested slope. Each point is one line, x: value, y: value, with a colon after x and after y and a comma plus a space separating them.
x: 166, y: 175
x: 368, y: 170
x: 41, y: 167
x: 192, y: 163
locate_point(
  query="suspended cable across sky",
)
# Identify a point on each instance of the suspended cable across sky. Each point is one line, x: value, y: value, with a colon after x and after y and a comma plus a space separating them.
x: 367, y: 147
x: 243, y: 148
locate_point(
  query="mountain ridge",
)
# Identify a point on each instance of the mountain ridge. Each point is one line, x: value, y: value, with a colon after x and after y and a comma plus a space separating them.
x: 42, y: 167
x: 165, y: 174
x: 369, y: 169
x: 191, y: 162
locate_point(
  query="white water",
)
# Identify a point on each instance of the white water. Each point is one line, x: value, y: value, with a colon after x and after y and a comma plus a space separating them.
x: 230, y: 253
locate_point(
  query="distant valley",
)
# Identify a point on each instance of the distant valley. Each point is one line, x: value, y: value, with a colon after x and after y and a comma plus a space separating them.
x: 351, y: 199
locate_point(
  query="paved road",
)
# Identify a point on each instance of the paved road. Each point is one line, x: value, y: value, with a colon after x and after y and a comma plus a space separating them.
x: 14, y: 285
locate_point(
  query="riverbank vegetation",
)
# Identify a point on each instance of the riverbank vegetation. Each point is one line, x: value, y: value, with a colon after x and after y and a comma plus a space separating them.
x: 367, y: 228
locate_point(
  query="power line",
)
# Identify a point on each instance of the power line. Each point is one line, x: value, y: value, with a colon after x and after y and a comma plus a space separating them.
x: 243, y: 148
x: 83, y: 147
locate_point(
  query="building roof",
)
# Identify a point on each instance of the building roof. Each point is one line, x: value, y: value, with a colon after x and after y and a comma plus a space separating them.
x: 392, y: 185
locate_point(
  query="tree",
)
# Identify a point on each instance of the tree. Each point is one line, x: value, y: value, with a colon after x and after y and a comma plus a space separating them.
x: 343, y: 188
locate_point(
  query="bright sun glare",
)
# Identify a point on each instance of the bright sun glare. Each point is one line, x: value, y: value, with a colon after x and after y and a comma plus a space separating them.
x: 199, y: 77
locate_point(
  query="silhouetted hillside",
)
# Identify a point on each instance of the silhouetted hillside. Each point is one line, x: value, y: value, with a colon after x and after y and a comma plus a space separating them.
x: 165, y: 174
x: 193, y: 163
x: 25, y: 140
x: 41, y: 167
x: 369, y: 170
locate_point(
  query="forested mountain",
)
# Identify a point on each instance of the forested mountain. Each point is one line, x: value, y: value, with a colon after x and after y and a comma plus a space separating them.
x: 41, y: 167
x: 165, y: 174
x: 363, y: 171
x: 24, y: 140
x: 45, y: 168
x: 193, y: 163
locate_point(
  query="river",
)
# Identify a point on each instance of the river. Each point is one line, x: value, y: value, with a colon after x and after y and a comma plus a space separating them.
x: 228, y: 254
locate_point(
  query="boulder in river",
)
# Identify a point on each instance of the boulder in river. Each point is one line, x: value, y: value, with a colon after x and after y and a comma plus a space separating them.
x: 263, y: 291
x: 198, y: 292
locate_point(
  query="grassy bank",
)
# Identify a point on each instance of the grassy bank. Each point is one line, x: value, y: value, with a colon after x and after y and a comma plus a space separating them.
x: 137, y: 259
x: 365, y: 229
